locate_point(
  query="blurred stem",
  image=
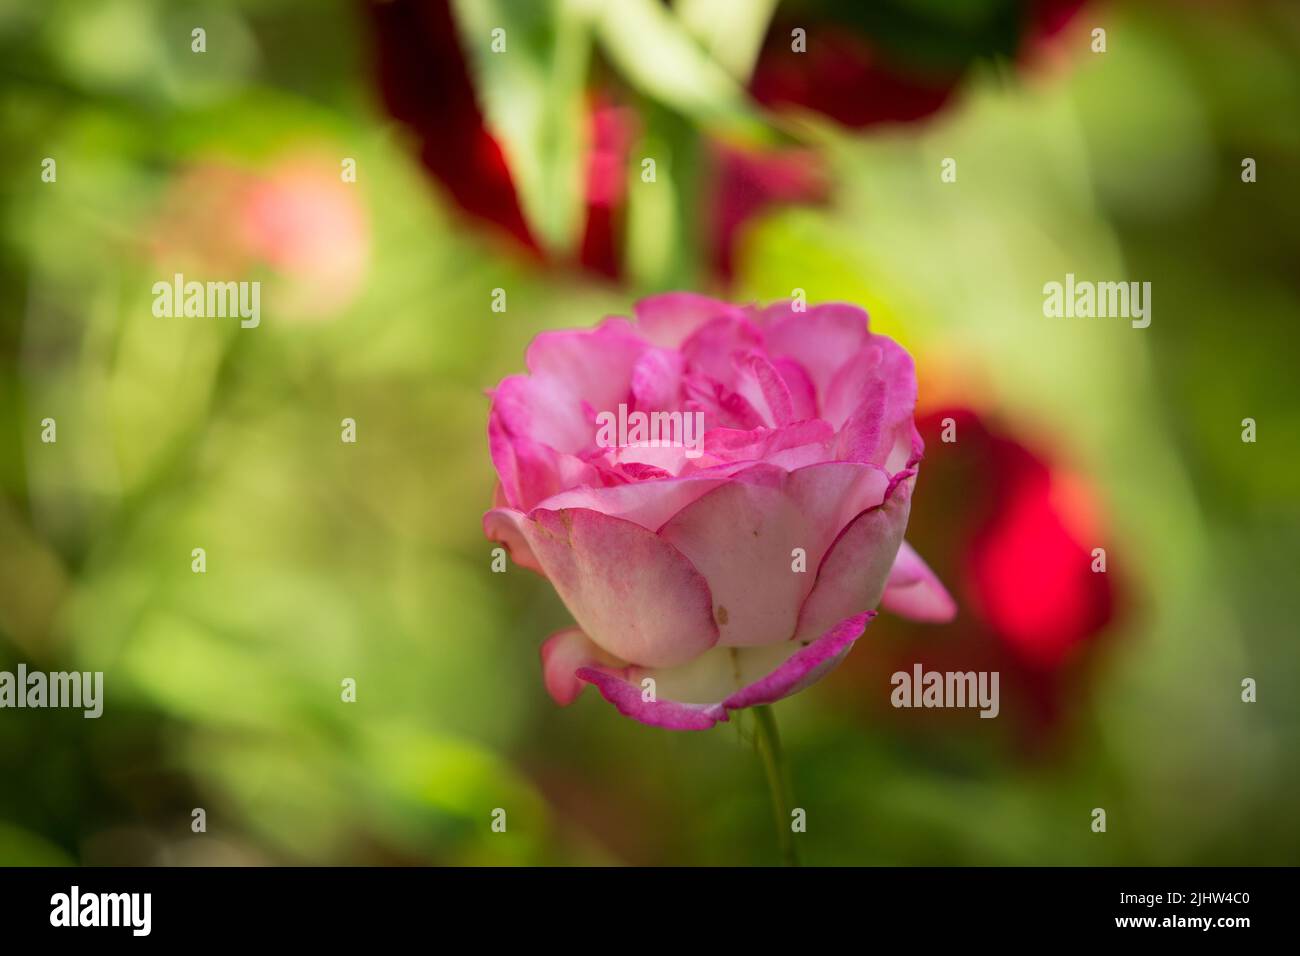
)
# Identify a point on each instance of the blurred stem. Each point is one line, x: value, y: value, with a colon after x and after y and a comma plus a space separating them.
x: 768, y: 741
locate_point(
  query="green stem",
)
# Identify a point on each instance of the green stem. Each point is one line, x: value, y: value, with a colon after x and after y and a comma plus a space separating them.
x: 768, y: 741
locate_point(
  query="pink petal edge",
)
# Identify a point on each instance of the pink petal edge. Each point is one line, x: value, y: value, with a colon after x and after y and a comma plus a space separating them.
x: 914, y: 591
x: 802, y: 669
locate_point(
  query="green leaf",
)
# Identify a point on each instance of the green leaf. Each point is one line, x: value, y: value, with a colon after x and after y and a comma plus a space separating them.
x: 530, y: 83
x: 655, y: 52
x: 731, y: 31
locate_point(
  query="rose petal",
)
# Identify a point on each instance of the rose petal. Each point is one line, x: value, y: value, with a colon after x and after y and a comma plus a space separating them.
x: 807, y: 666
x: 670, y: 319
x: 563, y: 654
x: 803, y: 395
x: 764, y: 675
x: 914, y: 591
x: 851, y: 577
x: 631, y: 592
x: 713, y: 348
x: 531, y: 471
x: 742, y: 535
x: 762, y: 386
x: 647, y: 503
x: 657, y: 380
x: 769, y: 444
x: 540, y: 409
x: 593, y: 366
x: 820, y: 340
x: 872, y: 398
x: 506, y: 526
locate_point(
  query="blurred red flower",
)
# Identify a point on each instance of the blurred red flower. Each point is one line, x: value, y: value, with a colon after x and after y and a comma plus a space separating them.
x: 425, y: 82
x: 866, y: 64
x: 862, y: 66
x: 1013, y: 534
x: 845, y: 73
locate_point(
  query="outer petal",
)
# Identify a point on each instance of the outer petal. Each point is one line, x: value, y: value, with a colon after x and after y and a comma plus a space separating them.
x: 915, y: 591
x: 647, y: 503
x: 634, y: 595
x: 563, y: 654
x: 852, y: 576
x: 670, y: 319
x: 807, y: 666
x: 790, y: 668
x: 531, y: 471
x: 506, y: 526
x: 661, y: 712
x: 742, y: 537
x: 543, y: 409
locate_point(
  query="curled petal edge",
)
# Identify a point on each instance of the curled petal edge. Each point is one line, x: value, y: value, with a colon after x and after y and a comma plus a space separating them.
x: 803, y: 668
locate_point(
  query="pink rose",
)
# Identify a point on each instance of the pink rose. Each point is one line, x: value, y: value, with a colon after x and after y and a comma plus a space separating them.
x: 717, y: 493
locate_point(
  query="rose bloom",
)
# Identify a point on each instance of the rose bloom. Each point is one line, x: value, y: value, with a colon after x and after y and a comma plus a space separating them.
x: 735, y: 570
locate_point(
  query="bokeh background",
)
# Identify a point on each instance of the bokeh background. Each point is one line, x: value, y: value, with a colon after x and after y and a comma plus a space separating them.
x: 522, y: 171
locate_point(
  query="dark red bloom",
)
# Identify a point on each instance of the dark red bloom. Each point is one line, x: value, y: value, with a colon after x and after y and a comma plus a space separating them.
x: 842, y: 75
x: 864, y: 64
x: 1012, y: 534
x: 425, y: 82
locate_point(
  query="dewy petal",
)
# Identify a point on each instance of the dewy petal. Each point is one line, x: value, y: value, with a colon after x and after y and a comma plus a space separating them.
x: 760, y: 675
x: 914, y: 591
x: 670, y: 319
x: 633, y: 593
x: 853, y: 574
x: 742, y: 537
